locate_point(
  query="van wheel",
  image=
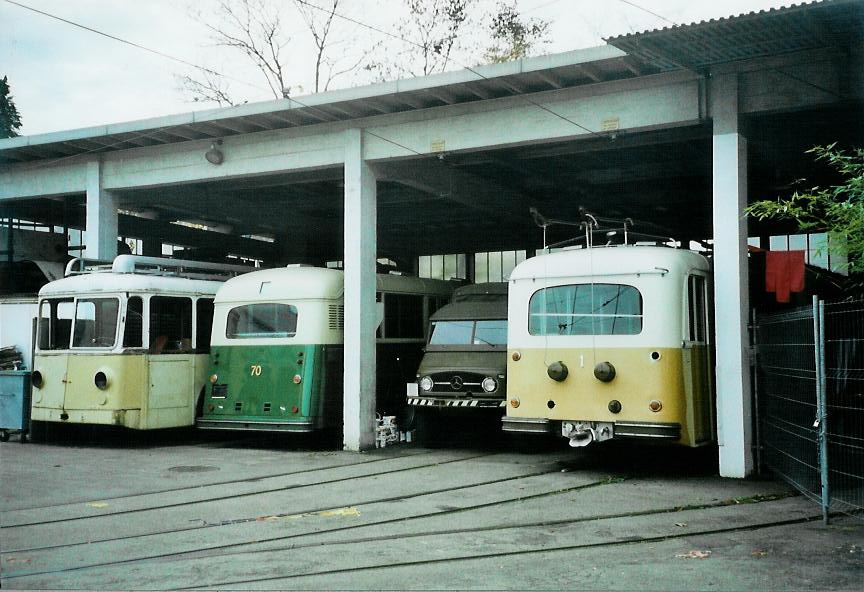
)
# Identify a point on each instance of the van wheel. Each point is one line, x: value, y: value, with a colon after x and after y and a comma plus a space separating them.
x: 4, y: 436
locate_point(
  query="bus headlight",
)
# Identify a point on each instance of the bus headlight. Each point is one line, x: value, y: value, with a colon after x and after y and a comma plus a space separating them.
x: 214, y: 378
x: 489, y: 384
x: 36, y: 379
x: 426, y: 383
x: 604, y: 372
x: 100, y: 380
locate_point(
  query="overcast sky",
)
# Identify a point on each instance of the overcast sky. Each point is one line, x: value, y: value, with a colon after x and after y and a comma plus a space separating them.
x: 63, y: 77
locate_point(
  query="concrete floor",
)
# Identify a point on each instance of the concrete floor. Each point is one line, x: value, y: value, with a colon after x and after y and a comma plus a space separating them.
x: 94, y: 510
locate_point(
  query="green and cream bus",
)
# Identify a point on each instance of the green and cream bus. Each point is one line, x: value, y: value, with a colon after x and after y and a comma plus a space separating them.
x: 277, y: 347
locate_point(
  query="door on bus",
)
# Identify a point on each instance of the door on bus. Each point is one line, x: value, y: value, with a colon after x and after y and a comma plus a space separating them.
x: 55, y: 333
x: 697, y: 361
x: 171, y: 363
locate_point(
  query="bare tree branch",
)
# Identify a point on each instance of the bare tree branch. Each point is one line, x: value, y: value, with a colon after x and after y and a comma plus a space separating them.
x: 206, y: 88
x: 255, y: 29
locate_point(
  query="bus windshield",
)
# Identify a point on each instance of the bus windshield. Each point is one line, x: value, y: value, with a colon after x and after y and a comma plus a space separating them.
x: 95, y: 322
x: 491, y: 333
x: 264, y: 320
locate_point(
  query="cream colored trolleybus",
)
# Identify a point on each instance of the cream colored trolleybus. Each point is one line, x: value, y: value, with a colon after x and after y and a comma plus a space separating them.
x: 125, y: 343
x: 611, y: 342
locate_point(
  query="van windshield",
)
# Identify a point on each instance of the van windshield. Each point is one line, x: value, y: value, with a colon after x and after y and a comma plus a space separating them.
x: 468, y: 332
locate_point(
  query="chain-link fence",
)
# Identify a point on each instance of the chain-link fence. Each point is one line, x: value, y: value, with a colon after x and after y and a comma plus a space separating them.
x: 844, y: 369
x: 810, y: 400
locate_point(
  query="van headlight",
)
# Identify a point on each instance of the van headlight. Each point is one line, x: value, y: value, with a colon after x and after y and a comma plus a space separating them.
x: 489, y: 384
x: 426, y: 383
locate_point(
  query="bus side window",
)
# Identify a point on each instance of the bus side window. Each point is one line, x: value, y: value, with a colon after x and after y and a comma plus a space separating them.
x: 696, y: 307
x: 44, y: 323
x: 204, y: 324
x: 133, y: 331
x: 170, y: 325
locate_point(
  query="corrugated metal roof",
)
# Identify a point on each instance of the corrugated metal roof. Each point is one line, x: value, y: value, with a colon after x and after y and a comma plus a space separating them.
x: 493, y: 81
x: 814, y: 25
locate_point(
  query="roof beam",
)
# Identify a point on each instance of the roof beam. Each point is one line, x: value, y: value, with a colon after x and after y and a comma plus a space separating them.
x: 440, y: 94
x: 590, y: 71
x: 448, y: 182
x: 413, y: 101
x: 478, y: 90
x: 550, y: 79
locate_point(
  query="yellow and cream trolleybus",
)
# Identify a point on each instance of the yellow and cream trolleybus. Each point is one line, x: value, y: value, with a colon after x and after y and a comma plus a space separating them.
x: 611, y: 342
x: 125, y: 343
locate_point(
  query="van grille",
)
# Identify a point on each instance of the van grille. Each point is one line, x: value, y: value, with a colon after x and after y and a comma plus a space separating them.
x: 337, y: 317
x: 462, y: 383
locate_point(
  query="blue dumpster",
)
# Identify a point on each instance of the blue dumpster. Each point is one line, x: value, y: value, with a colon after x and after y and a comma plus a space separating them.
x: 14, y: 403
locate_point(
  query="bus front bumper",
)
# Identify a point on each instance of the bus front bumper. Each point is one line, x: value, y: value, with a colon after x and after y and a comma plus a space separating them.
x: 257, y: 426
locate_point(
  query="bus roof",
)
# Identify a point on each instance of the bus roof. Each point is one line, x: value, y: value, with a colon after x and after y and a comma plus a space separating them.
x: 316, y: 283
x: 96, y: 283
x: 295, y: 282
x: 609, y: 261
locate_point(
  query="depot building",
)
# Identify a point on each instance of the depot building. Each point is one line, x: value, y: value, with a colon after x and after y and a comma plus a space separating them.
x: 676, y: 129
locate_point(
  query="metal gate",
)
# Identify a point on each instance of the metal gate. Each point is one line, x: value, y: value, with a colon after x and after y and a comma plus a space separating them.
x: 810, y: 400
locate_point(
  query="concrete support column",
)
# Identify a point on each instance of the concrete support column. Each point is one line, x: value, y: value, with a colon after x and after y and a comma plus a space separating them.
x: 361, y: 317
x: 101, y: 217
x: 731, y: 289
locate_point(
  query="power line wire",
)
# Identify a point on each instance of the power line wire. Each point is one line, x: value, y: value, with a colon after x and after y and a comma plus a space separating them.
x: 652, y: 13
x: 132, y: 44
x: 144, y: 135
x: 468, y: 68
x: 302, y: 104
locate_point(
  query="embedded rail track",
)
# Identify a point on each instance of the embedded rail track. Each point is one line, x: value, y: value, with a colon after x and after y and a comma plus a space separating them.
x: 420, y: 511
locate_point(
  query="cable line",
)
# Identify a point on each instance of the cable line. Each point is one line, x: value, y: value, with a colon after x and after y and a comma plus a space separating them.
x: 133, y: 44
x: 469, y: 68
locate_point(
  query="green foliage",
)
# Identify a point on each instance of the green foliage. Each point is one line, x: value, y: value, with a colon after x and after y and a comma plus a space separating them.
x: 512, y: 37
x: 838, y: 209
x: 10, y: 120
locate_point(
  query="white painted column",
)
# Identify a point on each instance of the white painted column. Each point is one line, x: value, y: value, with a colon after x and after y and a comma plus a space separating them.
x: 734, y: 405
x: 361, y: 316
x: 101, y: 224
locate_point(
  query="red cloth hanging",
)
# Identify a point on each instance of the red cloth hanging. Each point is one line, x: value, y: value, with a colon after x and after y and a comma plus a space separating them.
x: 784, y: 273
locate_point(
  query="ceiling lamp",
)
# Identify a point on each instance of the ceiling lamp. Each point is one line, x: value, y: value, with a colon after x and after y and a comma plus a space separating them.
x: 214, y: 155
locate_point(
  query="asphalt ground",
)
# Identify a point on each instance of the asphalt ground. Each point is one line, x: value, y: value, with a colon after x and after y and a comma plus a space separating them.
x: 108, y: 510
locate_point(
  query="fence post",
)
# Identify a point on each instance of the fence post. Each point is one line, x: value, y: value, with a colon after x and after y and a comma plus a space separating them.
x: 821, y: 407
x: 754, y: 377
